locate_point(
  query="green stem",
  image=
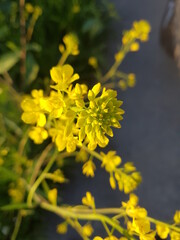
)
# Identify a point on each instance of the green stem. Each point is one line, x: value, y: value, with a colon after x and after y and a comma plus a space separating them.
x: 40, y: 179
x: 68, y: 213
x: 106, y: 228
x: 63, y: 58
x: 124, y: 49
x: 17, y: 226
x: 40, y: 162
x: 176, y: 229
x: 93, y: 153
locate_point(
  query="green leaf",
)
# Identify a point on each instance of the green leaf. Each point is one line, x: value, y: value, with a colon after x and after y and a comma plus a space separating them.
x: 32, y: 69
x: 11, y: 207
x: 33, y: 47
x: 8, y: 60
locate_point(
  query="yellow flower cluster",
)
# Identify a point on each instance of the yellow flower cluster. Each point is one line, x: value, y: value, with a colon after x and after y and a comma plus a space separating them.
x: 140, y: 225
x: 127, y: 177
x: 71, y: 44
x: 140, y: 31
x: 88, y: 200
x: 66, y: 117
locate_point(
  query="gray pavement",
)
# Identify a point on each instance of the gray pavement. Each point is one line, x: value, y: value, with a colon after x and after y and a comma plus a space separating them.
x: 150, y: 134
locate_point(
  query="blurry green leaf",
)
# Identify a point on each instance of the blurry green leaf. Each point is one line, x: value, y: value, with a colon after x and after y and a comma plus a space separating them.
x: 3, y: 31
x: 11, y: 207
x: 33, y: 47
x: 32, y: 69
x: 12, y: 46
x: 93, y: 26
x: 8, y: 60
x: 6, y: 175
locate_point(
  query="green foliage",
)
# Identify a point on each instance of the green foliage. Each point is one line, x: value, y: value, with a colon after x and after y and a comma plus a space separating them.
x: 88, y: 20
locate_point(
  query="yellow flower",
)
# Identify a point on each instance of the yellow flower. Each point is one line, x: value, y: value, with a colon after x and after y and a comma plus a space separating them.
x: 177, y: 217
x: 52, y: 196
x: 71, y: 42
x: 174, y: 235
x: 111, y: 238
x: 119, y: 56
x: 122, y: 84
x: 88, y: 200
x: 89, y: 168
x: 97, y: 238
x: 162, y: 231
x: 63, y: 76
x: 54, y: 104
x: 29, y: 7
x: 142, y: 29
x: 32, y: 111
x: 87, y: 230
x: 110, y: 161
x: 63, y: 134
x: 82, y: 156
x: 93, y: 62
x: 62, y: 228
x: 38, y: 134
x: 142, y: 227
x: 131, y: 81
x: 112, y: 182
x: 97, y: 119
x: 134, y: 47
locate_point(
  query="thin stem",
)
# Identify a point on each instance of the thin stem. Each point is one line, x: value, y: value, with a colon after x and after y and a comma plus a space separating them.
x: 176, y: 229
x: 93, y: 153
x: 23, y: 143
x: 113, y: 69
x: 39, y: 163
x: 22, y: 41
x: 65, y: 213
x: 63, y: 58
x: 17, y: 226
x: 40, y: 179
x: 77, y: 228
x: 106, y: 228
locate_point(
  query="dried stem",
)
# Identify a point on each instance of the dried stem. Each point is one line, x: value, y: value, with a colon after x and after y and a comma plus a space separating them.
x: 22, y: 41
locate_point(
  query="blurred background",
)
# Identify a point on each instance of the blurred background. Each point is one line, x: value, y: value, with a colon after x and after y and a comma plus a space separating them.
x: 150, y: 133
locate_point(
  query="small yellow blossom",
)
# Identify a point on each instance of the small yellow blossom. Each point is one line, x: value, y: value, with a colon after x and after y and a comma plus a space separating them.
x: 29, y: 7
x: 63, y: 76
x: 38, y: 134
x: 89, y: 168
x: 111, y: 238
x: 62, y: 228
x: 87, y: 230
x: 52, y: 196
x: 110, y: 161
x: 33, y: 114
x: 122, y: 84
x: 142, y: 227
x: 71, y: 42
x: 112, y: 182
x: 175, y: 235
x: 88, y: 200
x: 131, y: 81
x: 134, y: 47
x: 97, y: 238
x: 177, y: 217
x: 92, y: 61
x: 82, y: 156
x: 119, y: 56
x: 162, y: 231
